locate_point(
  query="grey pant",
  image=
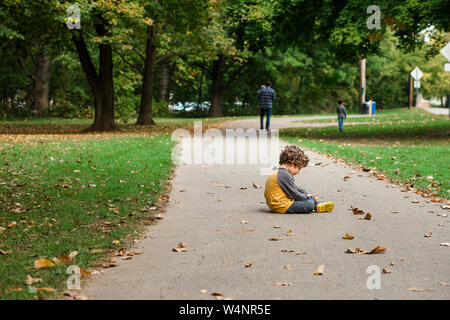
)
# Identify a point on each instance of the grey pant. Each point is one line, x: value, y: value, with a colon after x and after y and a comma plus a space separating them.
x: 302, y: 206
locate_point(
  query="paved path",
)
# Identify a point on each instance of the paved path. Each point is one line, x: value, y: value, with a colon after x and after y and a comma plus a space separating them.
x: 206, y: 210
x: 291, y: 122
x: 439, y: 111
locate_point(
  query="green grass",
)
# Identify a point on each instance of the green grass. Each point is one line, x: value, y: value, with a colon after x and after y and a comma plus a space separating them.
x: 407, y: 151
x: 58, y: 209
x: 398, y: 115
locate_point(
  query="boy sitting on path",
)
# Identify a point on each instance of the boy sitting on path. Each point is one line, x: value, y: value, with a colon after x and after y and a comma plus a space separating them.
x: 283, y: 195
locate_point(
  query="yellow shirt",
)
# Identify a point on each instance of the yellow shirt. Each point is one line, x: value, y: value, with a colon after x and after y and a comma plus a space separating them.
x: 277, y: 200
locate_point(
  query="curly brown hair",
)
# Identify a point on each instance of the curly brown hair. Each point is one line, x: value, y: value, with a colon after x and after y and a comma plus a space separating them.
x: 294, y: 154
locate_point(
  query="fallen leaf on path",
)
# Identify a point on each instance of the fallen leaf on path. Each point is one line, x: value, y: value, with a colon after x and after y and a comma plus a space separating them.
x: 248, y: 265
x: 348, y: 237
x: 244, y: 222
x: 289, y: 267
x: 356, y: 250
x: 443, y: 284
x: 148, y: 223
x: 439, y: 215
x: 274, y: 239
x: 445, y: 207
x: 346, y: 178
x: 277, y: 227
x: 217, y: 293
x: 386, y: 271
x: 43, y: 263
x: 81, y: 298
x: 30, y: 280
x: 394, y: 212
x: 256, y: 186
x: 392, y: 263
x: 368, y: 216
x: 281, y: 284
x: 203, y: 291
x: 319, y: 270
x: 243, y: 188
x: 290, y: 233
x: 415, y: 201
x: 427, y: 235
x: 445, y: 244
x: 223, y: 298
x: 357, y: 211
x: 159, y: 216
x: 377, y: 249
x: 299, y: 252
x: 180, y: 248
x: 419, y: 290
x: 183, y: 190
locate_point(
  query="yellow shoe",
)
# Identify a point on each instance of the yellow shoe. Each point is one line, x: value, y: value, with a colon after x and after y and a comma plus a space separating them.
x: 325, y: 207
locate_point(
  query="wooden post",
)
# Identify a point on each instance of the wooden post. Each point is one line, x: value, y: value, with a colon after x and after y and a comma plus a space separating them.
x: 362, y: 84
x: 410, y: 92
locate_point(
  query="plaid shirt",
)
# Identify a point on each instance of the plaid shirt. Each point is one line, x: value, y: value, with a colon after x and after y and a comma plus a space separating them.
x: 265, y: 97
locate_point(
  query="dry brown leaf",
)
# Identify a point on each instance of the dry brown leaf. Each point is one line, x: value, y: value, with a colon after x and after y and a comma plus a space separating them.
x: 392, y: 263
x: 217, y: 293
x: 179, y: 249
x: 256, y: 186
x: 386, y: 270
x: 289, y: 267
x: 248, y: 265
x: 356, y: 250
x: 65, y: 259
x: 357, y: 211
x: 443, y: 284
x: 277, y: 227
x: 30, y: 280
x: 4, y: 252
x: 346, y: 178
x: 290, y: 233
x: 368, y: 216
x: 319, y: 270
x: 223, y: 298
x: 148, y: 223
x: 2, y: 230
x: 299, y: 252
x: 94, y: 251
x: 281, y: 284
x: 419, y: 290
x: 348, y: 237
x: 274, y: 239
x: 43, y: 263
x: 81, y: 298
x: 415, y: 201
x: 427, y: 235
x: 377, y: 249
x: 244, y: 222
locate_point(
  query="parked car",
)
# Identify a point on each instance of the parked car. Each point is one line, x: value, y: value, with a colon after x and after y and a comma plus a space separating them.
x: 189, y: 106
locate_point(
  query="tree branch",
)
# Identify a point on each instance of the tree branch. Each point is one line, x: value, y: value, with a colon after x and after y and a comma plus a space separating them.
x: 85, y: 58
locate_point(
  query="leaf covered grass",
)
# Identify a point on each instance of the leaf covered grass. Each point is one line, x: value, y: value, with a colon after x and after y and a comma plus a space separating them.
x: 75, y: 193
x: 414, y: 152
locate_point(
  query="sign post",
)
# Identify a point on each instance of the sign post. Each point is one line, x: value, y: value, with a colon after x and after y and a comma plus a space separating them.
x: 417, y: 74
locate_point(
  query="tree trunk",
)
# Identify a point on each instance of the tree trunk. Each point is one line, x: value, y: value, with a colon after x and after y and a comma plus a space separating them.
x: 145, y: 112
x: 41, y: 83
x: 199, y: 99
x: 164, y: 82
x: 102, y: 85
x: 217, y: 88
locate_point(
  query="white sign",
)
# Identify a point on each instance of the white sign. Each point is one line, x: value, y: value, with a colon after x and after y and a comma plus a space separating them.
x: 445, y: 51
x: 416, y: 84
x: 417, y: 73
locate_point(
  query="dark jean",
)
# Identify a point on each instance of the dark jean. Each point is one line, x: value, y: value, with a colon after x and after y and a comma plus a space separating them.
x: 302, y: 206
x: 268, y: 112
x: 341, y: 123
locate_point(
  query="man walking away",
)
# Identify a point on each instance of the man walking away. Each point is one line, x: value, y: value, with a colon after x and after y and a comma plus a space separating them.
x: 341, y: 113
x: 266, y: 96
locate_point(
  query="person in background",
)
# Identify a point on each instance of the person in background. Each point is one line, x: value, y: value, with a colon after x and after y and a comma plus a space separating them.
x: 266, y: 96
x: 341, y: 113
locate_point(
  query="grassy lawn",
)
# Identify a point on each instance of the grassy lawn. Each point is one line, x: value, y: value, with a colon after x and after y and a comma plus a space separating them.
x: 413, y: 151
x: 60, y: 194
x: 398, y: 115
